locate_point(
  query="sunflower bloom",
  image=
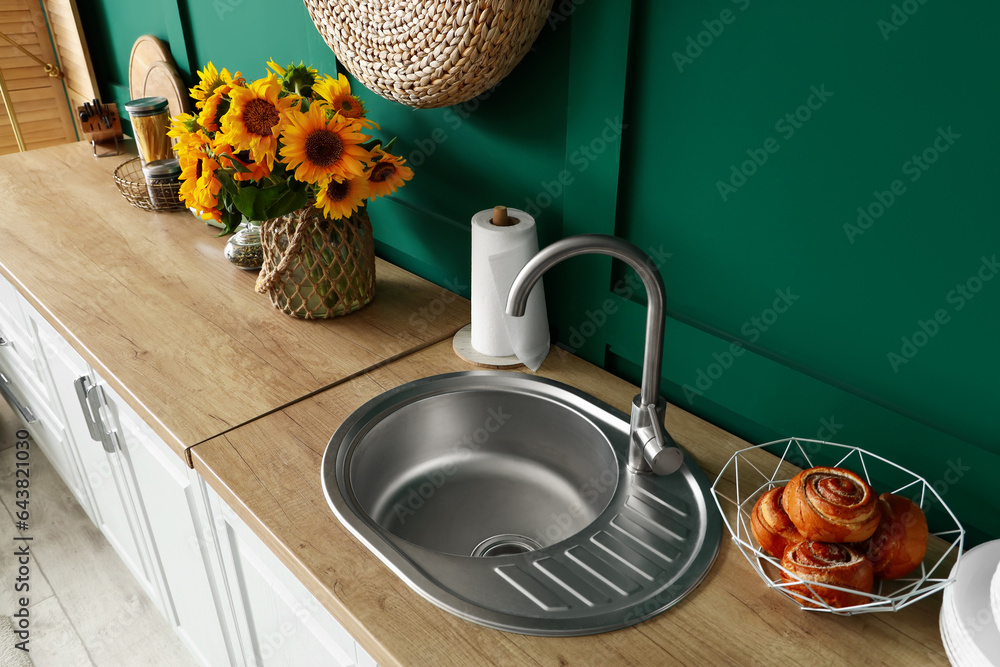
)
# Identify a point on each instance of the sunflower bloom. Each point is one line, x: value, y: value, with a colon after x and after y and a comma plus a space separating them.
x: 253, y: 120
x: 337, y: 92
x: 248, y: 170
x: 339, y: 198
x: 388, y: 175
x: 212, y: 81
x: 209, y: 116
x: 199, y: 184
x: 321, y: 148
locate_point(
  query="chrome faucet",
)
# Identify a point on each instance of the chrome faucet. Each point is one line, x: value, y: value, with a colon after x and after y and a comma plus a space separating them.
x: 651, y: 449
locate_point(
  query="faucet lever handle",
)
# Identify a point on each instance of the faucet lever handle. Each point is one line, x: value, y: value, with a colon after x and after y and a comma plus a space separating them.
x: 652, y: 443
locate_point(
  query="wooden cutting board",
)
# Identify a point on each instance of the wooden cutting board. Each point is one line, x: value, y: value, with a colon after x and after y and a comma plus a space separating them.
x: 146, y: 51
x: 162, y: 80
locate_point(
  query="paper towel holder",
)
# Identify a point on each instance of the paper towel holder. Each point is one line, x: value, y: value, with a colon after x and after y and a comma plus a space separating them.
x: 462, y: 342
x: 501, y: 219
x: 462, y: 345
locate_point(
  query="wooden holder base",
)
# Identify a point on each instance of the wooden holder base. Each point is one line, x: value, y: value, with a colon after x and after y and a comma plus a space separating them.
x: 462, y: 344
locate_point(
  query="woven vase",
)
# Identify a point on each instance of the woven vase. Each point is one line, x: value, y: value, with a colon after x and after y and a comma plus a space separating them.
x: 432, y: 53
x: 315, y: 268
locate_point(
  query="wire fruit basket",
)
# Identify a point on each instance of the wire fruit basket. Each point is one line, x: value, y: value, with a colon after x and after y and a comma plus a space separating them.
x: 756, y: 472
x: 137, y: 191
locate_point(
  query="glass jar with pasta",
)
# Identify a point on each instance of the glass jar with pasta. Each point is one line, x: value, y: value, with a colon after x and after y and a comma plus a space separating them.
x: 150, y: 120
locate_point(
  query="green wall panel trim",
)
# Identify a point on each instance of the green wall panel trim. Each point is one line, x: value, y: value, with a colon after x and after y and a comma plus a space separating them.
x: 900, y: 301
x: 588, y: 181
x: 761, y: 400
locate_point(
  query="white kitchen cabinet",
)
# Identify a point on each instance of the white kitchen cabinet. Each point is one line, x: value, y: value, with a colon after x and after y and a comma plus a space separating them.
x: 279, y: 622
x: 231, y: 601
x: 176, y: 517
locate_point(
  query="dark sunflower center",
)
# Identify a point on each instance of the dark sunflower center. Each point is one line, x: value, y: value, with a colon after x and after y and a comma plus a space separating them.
x: 323, y: 148
x: 260, y: 116
x: 382, y: 171
x: 199, y: 169
x: 337, y: 191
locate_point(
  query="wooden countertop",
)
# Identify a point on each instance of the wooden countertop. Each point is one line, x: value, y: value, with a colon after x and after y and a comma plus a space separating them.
x: 269, y: 472
x: 150, y: 302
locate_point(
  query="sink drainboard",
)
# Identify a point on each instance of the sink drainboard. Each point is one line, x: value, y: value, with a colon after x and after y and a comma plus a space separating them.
x: 636, y: 545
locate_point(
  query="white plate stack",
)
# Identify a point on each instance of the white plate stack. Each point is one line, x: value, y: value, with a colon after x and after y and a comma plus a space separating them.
x: 970, y: 611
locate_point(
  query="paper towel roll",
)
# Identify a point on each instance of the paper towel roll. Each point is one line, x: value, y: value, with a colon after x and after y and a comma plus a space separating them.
x: 498, y: 253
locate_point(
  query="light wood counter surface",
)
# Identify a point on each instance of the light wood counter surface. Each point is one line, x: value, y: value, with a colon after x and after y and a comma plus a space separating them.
x: 150, y: 302
x: 269, y: 472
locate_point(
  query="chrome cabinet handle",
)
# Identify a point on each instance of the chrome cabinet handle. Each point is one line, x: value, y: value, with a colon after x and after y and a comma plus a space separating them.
x: 108, y: 434
x: 8, y: 394
x: 83, y: 386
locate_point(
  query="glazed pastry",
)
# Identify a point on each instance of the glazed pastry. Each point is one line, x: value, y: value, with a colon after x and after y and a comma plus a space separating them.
x: 774, y: 531
x: 832, y: 564
x: 831, y: 505
x: 900, y: 541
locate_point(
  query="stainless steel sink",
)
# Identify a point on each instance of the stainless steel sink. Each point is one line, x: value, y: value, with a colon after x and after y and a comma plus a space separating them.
x: 506, y: 499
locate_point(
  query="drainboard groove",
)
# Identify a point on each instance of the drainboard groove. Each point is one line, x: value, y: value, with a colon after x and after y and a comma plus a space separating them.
x: 626, y: 555
x: 560, y: 574
x: 645, y: 539
x: 665, y: 523
x: 599, y: 569
x: 533, y: 589
x: 668, y: 500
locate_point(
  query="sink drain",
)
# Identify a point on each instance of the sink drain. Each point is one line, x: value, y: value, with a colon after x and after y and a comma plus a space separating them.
x: 505, y: 545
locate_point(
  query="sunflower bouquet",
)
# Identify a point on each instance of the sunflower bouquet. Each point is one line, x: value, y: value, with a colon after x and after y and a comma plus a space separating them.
x: 260, y: 150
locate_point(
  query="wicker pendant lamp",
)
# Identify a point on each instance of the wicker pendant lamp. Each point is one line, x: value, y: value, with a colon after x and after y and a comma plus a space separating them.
x: 429, y: 53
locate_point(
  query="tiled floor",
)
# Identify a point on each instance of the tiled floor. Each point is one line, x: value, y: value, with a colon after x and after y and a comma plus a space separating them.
x: 85, y: 607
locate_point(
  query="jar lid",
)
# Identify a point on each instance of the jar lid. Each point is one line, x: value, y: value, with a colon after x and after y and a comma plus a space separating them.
x: 169, y: 168
x: 146, y: 106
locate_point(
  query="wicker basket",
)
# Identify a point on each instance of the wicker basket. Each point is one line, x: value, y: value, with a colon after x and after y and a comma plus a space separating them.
x: 148, y: 196
x: 315, y: 268
x: 433, y: 53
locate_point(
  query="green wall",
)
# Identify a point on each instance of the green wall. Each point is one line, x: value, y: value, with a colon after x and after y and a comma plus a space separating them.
x: 668, y: 123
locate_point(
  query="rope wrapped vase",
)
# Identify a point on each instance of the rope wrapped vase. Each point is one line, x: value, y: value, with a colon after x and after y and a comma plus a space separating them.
x: 316, y: 268
x: 433, y: 53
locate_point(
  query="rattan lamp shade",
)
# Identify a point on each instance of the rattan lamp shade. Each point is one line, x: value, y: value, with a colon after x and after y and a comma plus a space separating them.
x: 433, y: 53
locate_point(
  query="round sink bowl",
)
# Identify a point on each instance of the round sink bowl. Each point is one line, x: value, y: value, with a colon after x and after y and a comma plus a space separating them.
x: 504, y: 499
x: 484, y: 472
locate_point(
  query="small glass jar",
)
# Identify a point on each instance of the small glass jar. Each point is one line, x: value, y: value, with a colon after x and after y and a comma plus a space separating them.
x: 150, y: 118
x: 243, y: 249
x: 161, y: 179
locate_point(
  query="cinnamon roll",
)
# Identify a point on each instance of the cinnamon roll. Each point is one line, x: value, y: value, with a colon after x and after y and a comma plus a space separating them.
x: 831, y: 505
x: 771, y: 526
x: 900, y: 541
x: 831, y: 564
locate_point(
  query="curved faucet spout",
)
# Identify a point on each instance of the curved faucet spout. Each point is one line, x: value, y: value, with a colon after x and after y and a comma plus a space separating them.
x: 601, y: 244
x: 651, y: 449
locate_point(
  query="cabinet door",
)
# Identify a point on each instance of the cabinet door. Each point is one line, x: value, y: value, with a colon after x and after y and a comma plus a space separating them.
x: 175, y: 513
x: 63, y: 366
x: 279, y: 622
x: 113, y: 488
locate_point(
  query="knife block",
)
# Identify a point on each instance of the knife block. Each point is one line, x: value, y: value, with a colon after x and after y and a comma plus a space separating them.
x: 100, y: 134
